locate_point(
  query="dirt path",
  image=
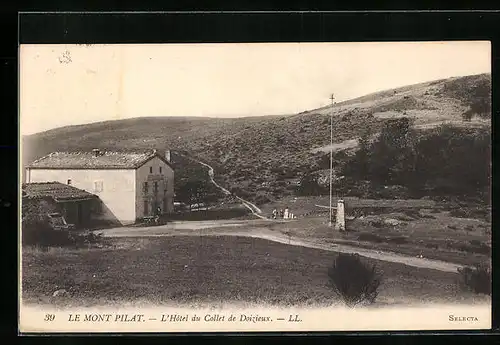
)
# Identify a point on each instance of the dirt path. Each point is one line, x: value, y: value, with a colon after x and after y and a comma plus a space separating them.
x: 252, y: 229
x: 252, y: 207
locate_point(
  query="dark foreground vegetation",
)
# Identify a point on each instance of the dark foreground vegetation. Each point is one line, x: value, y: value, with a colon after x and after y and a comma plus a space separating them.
x: 476, y: 279
x: 42, y: 235
x: 216, y: 270
x: 353, y: 280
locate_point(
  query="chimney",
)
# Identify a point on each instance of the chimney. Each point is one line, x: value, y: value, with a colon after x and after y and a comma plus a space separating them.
x: 96, y: 152
x: 167, y: 155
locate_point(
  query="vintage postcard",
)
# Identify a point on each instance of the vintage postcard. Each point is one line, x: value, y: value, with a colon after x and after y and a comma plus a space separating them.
x: 255, y: 187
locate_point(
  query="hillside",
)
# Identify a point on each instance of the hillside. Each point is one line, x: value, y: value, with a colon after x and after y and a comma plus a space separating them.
x: 263, y: 154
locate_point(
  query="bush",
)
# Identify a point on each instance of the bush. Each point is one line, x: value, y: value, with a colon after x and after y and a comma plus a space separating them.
x: 412, y: 213
x: 370, y: 238
x: 397, y: 240
x: 478, y: 247
x: 477, y: 279
x: 354, y: 281
x: 428, y: 216
x: 469, y: 227
x: 471, y: 212
x: 41, y: 234
x: 460, y: 213
x: 377, y: 224
x: 261, y: 198
x: 84, y: 239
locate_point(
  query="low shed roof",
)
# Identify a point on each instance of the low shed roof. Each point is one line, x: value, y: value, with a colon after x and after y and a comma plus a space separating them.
x: 56, y: 190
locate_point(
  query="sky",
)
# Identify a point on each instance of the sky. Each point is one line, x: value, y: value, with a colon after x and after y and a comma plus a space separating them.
x: 63, y: 85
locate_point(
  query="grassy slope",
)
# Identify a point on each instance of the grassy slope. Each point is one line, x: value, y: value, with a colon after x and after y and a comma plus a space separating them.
x: 425, y: 227
x: 250, y: 151
x: 212, y: 269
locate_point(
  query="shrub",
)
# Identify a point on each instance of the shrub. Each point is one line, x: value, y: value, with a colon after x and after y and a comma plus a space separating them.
x: 472, y: 212
x: 477, y: 279
x: 415, y: 214
x: 377, y: 224
x: 428, y: 216
x: 432, y: 245
x: 459, y: 213
x: 398, y: 240
x: 469, y: 227
x: 83, y: 239
x: 41, y: 234
x: 370, y: 238
x: 261, y: 198
x: 404, y: 218
x: 354, y: 281
x: 478, y: 247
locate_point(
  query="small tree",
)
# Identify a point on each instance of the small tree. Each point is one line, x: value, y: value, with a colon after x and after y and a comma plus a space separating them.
x: 192, y: 192
x: 477, y: 279
x: 309, y: 186
x: 354, y: 281
x: 467, y: 116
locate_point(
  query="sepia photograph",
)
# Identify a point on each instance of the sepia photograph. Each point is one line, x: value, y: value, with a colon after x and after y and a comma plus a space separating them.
x: 255, y: 187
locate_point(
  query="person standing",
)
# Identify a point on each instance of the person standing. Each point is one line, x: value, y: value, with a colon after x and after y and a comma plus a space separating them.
x: 281, y: 213
x: 275, y: 213
x: 157, y: 216
x: 285, y: 214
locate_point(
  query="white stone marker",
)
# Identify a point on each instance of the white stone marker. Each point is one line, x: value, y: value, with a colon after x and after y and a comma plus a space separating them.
x: 340, y: 222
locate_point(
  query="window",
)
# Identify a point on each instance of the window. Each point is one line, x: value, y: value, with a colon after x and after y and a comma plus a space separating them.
x: 145, y: 187
x: 69, y: 181
x: 150, y: 170
x: 156, y: 187
x: 146, y: 211
x: 160, y: 170
x: 98, y: 186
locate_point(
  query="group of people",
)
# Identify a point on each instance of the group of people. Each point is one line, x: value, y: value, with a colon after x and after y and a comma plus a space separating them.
x: 284, y: 214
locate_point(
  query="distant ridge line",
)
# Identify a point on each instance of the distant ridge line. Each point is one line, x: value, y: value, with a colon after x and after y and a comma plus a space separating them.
x: 236, y: 118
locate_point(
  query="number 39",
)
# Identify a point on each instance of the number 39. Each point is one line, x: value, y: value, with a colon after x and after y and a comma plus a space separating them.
x: 49, y: 317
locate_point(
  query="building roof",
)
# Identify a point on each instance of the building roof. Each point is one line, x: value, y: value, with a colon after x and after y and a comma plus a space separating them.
x: 55, y: 190
x: 95, y: 160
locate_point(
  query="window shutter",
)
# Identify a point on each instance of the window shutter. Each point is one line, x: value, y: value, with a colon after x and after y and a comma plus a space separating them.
x: 98, y: 186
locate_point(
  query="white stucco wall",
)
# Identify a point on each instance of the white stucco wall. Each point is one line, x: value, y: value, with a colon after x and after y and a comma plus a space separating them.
x: 165, y: 178
x: 118, y: 192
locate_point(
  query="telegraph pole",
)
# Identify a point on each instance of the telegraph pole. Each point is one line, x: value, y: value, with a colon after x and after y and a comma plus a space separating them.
x: 330, y: 223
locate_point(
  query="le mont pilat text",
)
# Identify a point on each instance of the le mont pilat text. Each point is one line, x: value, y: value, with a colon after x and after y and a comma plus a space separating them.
x: 178, y: 318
